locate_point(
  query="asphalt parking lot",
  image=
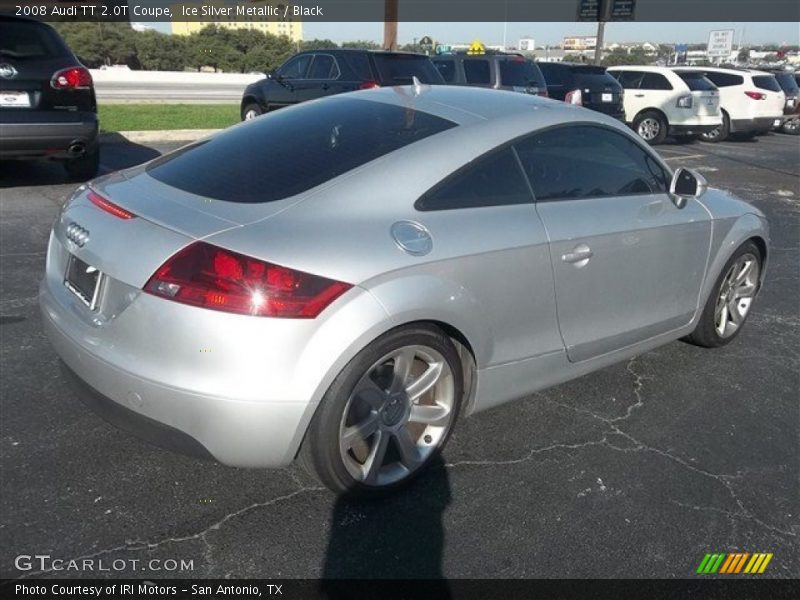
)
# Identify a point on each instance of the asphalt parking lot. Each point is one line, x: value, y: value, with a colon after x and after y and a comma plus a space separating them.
x: 634, y: 471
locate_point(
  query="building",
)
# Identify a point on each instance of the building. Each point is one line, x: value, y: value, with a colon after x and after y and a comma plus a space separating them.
x: 579, y: 43
x: 291, y: 27
x: 526, y: 45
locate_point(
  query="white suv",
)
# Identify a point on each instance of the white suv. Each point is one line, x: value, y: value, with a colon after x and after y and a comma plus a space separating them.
x: 752, y: 102
x: 661, y: 102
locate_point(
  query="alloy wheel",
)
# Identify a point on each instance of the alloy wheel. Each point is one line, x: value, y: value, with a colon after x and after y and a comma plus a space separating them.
x: 649, y: 129
x: 397, y: 415
x: 736, y: 295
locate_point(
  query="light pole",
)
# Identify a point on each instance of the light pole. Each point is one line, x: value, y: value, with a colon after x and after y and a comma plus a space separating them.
x: 390, y: 25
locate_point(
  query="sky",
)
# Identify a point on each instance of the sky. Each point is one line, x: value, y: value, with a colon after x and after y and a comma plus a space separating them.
x: 551, y: 33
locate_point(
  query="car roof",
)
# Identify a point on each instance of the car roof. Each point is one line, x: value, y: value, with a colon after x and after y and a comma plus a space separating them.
x: 643, y: 68
x: 728, y: 70
x: 361, y: 51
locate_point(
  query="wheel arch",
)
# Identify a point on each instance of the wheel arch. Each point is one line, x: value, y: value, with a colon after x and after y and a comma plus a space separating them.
x: 651, y: 109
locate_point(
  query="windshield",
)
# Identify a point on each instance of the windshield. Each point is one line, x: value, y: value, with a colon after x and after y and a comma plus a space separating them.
x: 293, y: 150
x: 26, y: 40
x: 398, y: 69
x: 518, y: 72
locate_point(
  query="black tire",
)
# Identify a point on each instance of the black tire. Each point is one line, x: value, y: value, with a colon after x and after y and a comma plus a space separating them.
x: 660, y: 122
x: 252, y: 107
x: 84, y: 167
x: 705, y: 334
x: 320, y: 453
x: 721, y: 133
x: 791, y: 127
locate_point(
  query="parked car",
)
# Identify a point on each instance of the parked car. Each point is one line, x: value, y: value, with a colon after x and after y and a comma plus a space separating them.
x: 497, y: 70
x: 383, y: 273
x: 660, y: 102
x: 47, y: 101
x: 318, y: 73
x: 585, y: 85
x: 751, y: 101
x: 788, y: 80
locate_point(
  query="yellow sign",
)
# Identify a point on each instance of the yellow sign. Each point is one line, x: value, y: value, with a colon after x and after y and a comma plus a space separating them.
x: 476, y: 47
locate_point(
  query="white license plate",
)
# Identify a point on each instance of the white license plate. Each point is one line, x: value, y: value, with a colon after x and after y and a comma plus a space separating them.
x: 776, y: 122
x: 83, y: 280
x: 15, y: 99
x: 607, y: 97
x: 710, y: 102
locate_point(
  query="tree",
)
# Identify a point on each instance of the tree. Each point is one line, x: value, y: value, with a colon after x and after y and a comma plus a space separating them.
x: 160, y: 52
x: 317, y: 44
x: 100, y: 43
x: 362, y: 44
x: 743, y: 56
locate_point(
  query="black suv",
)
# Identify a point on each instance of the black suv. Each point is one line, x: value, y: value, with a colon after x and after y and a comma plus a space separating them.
x: 47, y: 103
x: 498, y: 70
x: 318, y: 73
x: 586, y: 85
x: 788, y: 80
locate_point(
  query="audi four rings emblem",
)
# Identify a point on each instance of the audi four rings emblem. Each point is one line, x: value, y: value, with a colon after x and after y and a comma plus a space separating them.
x: 77, y: 235
x: 7, y: 71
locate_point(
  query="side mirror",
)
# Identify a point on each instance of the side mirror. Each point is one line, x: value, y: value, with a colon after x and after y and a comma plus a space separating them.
x: 686, y: 184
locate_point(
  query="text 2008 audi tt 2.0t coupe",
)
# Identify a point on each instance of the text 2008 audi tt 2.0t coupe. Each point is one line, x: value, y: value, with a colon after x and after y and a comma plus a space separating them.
x: 341, y: 279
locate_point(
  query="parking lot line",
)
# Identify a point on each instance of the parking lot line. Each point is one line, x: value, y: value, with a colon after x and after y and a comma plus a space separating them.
x: 685, y: 156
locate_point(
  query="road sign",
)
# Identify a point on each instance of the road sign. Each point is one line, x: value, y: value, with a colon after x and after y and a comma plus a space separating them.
x: 720, y: 43
x: 476, y: 47
x: 426, y: 43
x: 615, y: 10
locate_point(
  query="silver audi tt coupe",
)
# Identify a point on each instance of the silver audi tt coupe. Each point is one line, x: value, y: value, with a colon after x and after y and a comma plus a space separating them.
x: 340, y: 280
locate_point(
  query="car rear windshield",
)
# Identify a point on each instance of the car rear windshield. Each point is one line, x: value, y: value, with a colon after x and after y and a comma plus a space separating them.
x: 293, y: 150
x: 767, y: 82
x: 697, y: 82
x: 788, y: 83
x: 519, y: 73
x: 398, y: 69
x: 595, y: 79
x: 29, y: 40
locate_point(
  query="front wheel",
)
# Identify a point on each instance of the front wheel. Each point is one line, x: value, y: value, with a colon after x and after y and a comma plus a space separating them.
x: 387, y: 415
x: 729, y: 304
x: 251, y: 111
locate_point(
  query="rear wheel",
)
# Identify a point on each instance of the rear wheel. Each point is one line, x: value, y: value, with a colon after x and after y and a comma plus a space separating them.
x: 651, y: 127
x: 251, y: 111
x: 719, y: 134
x: 387, y: 415
x: 84, y: 167
x: 792, y: 126
x: 729, y: 304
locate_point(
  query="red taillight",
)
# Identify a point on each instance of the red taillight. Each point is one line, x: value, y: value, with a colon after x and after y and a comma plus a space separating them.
x: 211, y: 277
x: 368, y: 85
x: 109, y: 206
x: 756, y: 95
x: 74, y: 78
x: 574, y: 97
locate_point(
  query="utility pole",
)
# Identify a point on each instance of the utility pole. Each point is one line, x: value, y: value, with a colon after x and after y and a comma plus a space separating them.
x: 390, y: 25
x: 604, y: 14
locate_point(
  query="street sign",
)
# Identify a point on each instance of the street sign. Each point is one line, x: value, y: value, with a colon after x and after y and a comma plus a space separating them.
x: 476, y: 47
x: 426, y: 43
x: 615, y: 10
x: 720, y: 43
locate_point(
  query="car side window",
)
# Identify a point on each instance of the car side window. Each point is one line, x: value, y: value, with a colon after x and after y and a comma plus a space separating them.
x: 655, y: 81
x: 447, y: 69
x: 477, y: 71
x: 494, y: 180
x: 629, y: 80
x: 586, y: 161
x: 324, y: 67
x: 296, y: 68
x: 553, y: 74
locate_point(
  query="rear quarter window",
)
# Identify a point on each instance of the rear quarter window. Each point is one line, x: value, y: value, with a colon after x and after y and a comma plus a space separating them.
x: 293, y: 150
x: 399, y: 69
x: 477, y: 72
x: 767, y: 82
x: 724, y: 79
x: 655, y: 81
x: 22, y: 40
x: 519, y: 73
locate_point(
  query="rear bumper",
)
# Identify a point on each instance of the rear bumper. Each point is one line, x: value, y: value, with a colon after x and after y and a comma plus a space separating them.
x: 46, y: 134
x: 758, y: 124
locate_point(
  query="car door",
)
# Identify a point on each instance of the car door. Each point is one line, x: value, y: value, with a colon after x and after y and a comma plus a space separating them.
x: 286, y: 85
x: 634, y: 99
x: 628, y: 264
x: 323, y: 78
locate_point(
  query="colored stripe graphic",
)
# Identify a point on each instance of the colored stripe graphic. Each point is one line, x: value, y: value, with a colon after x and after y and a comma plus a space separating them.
x: 734, y: 562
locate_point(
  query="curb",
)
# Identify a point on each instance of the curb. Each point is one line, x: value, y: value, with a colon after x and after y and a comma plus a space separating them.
x: 154, y: 137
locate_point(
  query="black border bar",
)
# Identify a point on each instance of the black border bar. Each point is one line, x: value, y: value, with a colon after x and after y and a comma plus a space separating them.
x: 419, y: 10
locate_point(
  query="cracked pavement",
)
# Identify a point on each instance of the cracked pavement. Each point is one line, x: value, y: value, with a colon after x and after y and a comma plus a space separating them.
x: 633, y: 471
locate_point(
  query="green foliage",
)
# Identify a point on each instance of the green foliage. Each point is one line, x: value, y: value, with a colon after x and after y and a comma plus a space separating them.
x: 317, y: 44
x: 362, y: 44
x: 620, y: 56
x: 97, y: 44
